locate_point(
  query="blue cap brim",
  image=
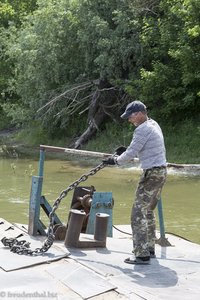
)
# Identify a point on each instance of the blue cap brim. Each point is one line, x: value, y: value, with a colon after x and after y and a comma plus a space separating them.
x: 125, y: 115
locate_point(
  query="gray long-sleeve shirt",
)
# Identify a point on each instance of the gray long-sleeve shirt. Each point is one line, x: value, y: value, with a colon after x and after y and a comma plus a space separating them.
x: 147, y: 144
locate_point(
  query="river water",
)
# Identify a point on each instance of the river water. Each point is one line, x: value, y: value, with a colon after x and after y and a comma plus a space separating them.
x: 180, y: 196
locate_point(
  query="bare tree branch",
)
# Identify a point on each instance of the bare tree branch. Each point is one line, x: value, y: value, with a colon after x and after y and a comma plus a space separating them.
x: 61, y: 96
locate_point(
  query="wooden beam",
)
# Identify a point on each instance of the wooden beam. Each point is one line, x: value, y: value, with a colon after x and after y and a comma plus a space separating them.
x: 74, y: 151
x: 189, y: 167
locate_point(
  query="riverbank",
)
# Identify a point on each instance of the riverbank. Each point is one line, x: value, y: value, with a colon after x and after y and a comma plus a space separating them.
x: 182, y: 141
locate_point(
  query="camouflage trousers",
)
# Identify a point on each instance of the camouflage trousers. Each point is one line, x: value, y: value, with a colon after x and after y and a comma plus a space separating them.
x: 142, y: 217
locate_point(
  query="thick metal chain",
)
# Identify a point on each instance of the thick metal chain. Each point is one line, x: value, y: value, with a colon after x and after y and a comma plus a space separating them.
x: 23, y: 247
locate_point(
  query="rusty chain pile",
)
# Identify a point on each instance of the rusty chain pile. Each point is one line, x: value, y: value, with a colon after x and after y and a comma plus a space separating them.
x: 23, y: 247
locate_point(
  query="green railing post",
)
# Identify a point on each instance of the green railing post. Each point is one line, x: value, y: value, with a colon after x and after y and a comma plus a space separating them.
x: 41, y: 163
x: 35, y: 197
x: 34, y: 205
x: 161, y: 219
x: 162, y: 241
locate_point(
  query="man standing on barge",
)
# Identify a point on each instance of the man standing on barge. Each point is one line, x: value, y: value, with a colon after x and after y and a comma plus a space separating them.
x: 148, y: 145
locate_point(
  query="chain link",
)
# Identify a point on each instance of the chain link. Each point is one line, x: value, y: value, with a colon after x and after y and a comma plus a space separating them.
x: 23, y: 247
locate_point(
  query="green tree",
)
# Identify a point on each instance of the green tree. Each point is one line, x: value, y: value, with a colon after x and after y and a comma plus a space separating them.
x: 12, y: 13
x: 46, y: 55
x: 149, y: 49
x: 170, y: 80
x: 84, y: 41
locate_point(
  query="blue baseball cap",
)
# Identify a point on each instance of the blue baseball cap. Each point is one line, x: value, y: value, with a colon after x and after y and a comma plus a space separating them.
x: 133, y: 107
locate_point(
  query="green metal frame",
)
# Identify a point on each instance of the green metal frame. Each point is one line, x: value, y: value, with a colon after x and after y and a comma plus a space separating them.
x: 37, y: 200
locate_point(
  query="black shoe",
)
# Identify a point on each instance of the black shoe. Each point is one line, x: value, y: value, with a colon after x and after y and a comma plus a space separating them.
x: 152, y: 254
x: 138, y: 260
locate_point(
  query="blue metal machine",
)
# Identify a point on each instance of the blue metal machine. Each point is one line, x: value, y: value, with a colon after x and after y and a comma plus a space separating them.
x: 102, y: 202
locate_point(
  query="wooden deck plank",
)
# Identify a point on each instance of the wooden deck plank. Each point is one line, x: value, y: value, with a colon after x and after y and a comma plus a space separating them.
x: 174, y: 274
x: 81, y: 280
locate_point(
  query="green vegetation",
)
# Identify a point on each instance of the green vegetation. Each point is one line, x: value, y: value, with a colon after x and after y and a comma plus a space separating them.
x: 182, y: 141
x: 54, y: 53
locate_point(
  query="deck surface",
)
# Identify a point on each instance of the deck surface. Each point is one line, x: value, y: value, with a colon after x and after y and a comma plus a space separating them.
x: 100, y: 273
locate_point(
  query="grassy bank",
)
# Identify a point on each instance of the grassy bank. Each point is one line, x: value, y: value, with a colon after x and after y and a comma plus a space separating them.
x: 182, y: 140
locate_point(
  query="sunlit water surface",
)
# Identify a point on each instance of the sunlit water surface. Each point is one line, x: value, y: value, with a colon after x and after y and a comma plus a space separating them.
x: 180, y: 196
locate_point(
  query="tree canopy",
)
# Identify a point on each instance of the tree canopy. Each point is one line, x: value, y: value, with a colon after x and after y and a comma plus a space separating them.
x: 55, y: 53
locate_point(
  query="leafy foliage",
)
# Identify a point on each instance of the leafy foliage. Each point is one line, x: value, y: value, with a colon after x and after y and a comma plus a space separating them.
x: 12, y: 13
x: 170, y: 83
x: 149, y: 49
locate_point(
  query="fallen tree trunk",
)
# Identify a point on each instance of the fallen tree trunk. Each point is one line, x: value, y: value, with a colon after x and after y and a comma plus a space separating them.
x: 106, y: 102
x: 99, y: 97
x: 91, y: 130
